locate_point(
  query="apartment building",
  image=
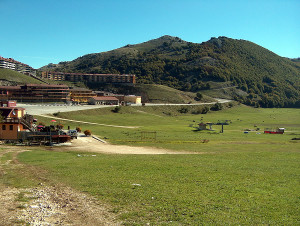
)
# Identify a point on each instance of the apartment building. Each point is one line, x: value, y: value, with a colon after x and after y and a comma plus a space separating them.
x: 7, y: 63
x: 35, y: 93
x: 80, y: 77
x: 12, y: 64
x: 81, y: 95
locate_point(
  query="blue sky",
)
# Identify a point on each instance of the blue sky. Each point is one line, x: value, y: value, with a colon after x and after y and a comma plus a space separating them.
x: 38, y: 32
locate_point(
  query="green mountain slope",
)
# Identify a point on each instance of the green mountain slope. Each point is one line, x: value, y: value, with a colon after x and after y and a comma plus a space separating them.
x: 270, y: 80
x: 10, y: 77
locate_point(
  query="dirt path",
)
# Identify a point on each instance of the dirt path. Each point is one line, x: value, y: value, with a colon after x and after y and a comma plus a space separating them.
x: 89, y: 144
x: 48, y: 204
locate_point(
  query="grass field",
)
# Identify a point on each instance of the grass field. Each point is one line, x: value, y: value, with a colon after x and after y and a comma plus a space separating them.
x: 250, y: 179
x: 176, y: 131
x: 224, y: 188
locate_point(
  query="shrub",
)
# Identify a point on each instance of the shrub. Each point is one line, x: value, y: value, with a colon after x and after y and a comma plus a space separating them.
x: 87, y: 132
x: 216, y: 107
x: 199, y: 96
x: 183, y: 110
x: 205, y: 110
x: 116, y: 109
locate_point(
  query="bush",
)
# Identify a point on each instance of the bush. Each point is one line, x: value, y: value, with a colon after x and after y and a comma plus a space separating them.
x: 87, y: 132
x: 216, y: 107
x: 78, y: 129
x: 116, y: 109
x: 183, y: 110
x: 205, y: 110
x: 199, y: 96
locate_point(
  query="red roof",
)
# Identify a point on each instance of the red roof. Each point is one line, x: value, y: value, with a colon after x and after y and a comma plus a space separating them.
x: 10, y: 87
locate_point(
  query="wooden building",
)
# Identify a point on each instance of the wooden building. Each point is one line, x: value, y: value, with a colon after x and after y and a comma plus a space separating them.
x: 13, y: 120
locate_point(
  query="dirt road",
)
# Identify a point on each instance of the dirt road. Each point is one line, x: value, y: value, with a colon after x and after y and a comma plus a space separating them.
x: 90, y: 144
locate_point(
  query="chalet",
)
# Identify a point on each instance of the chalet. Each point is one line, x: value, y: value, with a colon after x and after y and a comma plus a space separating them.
x: 13, y: 120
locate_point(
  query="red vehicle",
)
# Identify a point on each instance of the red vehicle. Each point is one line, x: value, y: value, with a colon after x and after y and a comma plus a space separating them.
x: 274, y: 131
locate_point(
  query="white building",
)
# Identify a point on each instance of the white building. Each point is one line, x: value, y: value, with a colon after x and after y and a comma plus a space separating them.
x: 12, y: 64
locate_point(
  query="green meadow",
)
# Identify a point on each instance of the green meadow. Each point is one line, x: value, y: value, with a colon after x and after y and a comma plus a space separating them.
x: 178, y: 131
x: 232, y: 178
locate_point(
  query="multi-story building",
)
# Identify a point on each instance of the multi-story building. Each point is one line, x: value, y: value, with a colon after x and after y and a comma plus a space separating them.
x: 81, y: 95
x: 80, y: 77
x: 35, y: 93
x: 7, y: 63
x: 12, y: 64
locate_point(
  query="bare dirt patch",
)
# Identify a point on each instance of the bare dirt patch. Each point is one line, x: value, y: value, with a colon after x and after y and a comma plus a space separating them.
x: 49, y: 204
x: 89, y: 144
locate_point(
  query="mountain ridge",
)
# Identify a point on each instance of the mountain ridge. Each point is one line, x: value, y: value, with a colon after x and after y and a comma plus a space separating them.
x: 270, y: 80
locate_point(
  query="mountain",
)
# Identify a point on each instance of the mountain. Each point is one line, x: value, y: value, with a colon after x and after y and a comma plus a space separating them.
x: 269, y: 80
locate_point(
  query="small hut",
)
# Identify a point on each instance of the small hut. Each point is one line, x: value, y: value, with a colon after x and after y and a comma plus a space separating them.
x: 202, y: 126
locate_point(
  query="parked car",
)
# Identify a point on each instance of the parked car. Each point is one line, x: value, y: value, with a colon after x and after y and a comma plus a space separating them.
x: 73, y: 133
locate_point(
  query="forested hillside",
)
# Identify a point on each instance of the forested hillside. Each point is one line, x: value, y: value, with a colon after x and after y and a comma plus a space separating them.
x: 269, y: 80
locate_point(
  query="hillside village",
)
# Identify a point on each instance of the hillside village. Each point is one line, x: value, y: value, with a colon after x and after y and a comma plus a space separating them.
x: 47, y: 92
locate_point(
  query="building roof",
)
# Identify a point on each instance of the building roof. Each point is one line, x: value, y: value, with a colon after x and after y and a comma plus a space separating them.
x: 5, y: 111
x: 104, y: 98
x: 10, y: 87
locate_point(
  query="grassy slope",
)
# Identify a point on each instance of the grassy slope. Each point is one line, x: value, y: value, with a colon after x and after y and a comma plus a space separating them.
x: 163, y: 94
x: 244, y: 179
x: 16, y: 77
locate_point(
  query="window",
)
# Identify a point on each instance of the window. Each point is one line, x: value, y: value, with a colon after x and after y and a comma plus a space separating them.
x: 3, y: 127
x: 11, y: 127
